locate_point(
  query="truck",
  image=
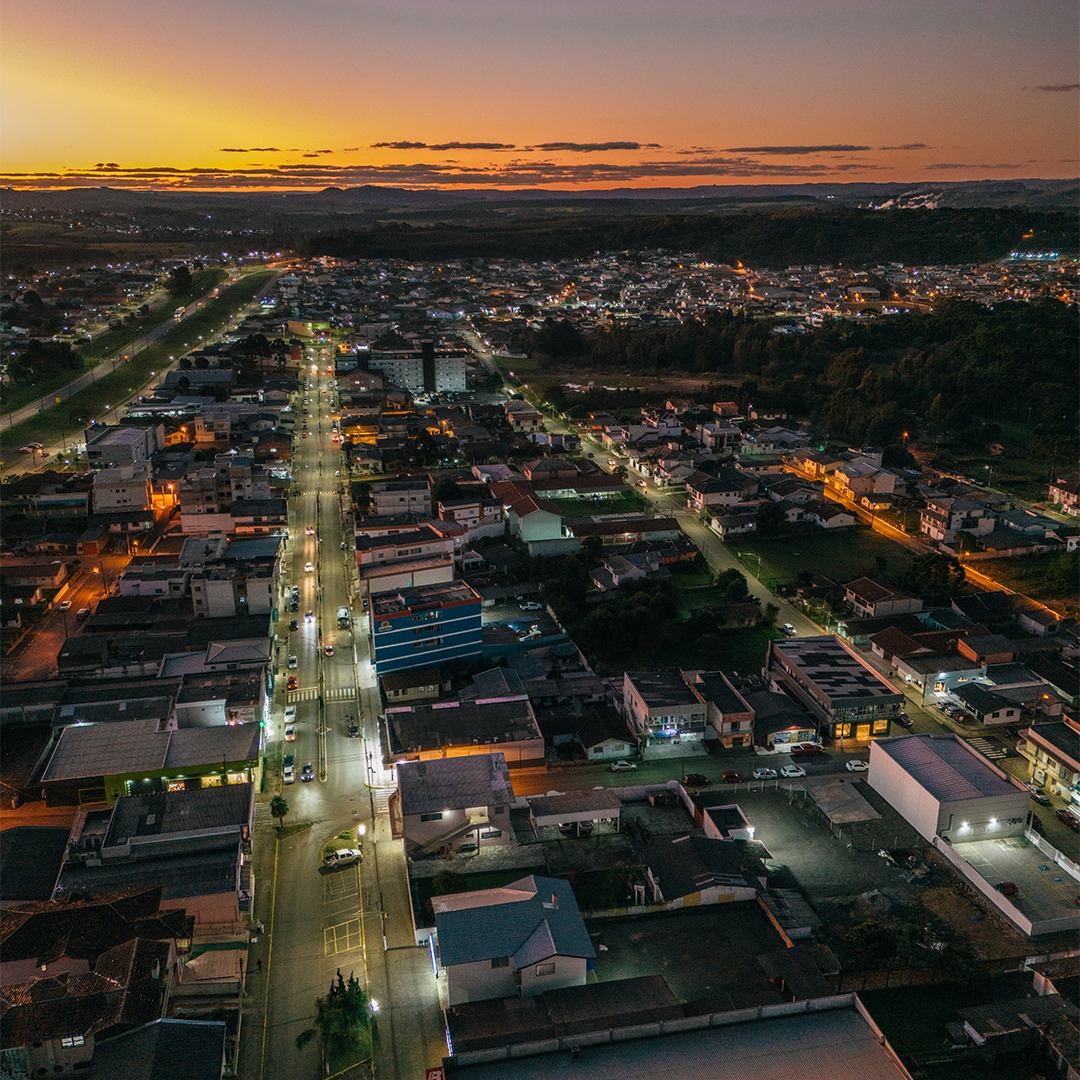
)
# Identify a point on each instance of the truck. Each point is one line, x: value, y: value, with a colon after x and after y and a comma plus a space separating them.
x: 178, y: 314
x: 344, y: 618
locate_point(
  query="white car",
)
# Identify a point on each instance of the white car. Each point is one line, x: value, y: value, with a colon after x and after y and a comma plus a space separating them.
x: 857, y: 766
x: 530, y: 605
x: 290, y: 714
x: 764, y: 774
x: 65, y: 605
x: 789, y: 630
x: 289, y: 775
x: 792, y: 772
x: 343, y: 856
x: 294, y: 661
x: 308, y: 567
x: 623, y: 766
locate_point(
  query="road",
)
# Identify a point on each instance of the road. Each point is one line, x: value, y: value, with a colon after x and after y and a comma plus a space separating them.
x: 321, y: 920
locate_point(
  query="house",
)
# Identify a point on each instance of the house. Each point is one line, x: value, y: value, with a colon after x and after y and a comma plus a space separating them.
x: 870, y: 599
x: 944, y: 516
x: 516, y: 941
x: 695, y: 870
x: 738, y: 524
x: 442, y: 804
x: 829, y: 515
x: 1053, y: 751
x: 705, y: 492
x: 401, y: 497
x: 1066, y: 494
x: 413, y: 684
x: 522, y: 416
x: 727, y: 711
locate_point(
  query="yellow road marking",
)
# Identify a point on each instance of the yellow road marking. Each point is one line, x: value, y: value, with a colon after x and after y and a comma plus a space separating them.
x: 343, y: 937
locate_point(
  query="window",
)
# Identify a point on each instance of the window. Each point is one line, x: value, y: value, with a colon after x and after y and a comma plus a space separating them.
x: 490, y: 834
x: 431, y: 817
x: 544, y: 969
x: 500, y: 961
x: 71, y: 1040
x: 500, y: 810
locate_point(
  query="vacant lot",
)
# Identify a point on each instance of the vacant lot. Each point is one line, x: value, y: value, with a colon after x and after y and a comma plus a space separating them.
x: 841, y: 555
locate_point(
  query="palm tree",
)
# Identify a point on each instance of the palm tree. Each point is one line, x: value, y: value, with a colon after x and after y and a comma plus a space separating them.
x: 279, y: 808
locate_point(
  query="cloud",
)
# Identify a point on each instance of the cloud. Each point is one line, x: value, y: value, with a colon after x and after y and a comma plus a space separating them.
x: 944, y: 165
x: 442, y: 146
x: 590, y: 148
x: 249, y: 150
x: 1058, y: 88
x: 106, y: 165
x: 907, y: 146
x: 693, y: 150
x: 791, y: 149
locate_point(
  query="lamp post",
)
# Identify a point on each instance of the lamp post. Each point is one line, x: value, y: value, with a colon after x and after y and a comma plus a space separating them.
x: 990, y: 477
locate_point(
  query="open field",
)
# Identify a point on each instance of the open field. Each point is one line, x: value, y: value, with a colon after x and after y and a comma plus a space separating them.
x: 841, y: 555
x: 66, y: 420
x: 1052, y: 579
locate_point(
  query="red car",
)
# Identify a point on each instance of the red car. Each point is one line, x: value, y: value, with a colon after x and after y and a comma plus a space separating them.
x: 292, y: 683
x: 1069, y: 818
x: 807, y: 749
x: 695, y: 779
x: 732, y: 777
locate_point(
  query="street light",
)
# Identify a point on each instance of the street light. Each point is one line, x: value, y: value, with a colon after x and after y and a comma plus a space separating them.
x: 990, y: 478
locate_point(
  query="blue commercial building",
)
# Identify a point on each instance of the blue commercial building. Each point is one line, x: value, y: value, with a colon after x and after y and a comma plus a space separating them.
x: 424, y: 626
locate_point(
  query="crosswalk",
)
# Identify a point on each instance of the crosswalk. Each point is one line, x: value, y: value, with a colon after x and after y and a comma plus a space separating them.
x: 310, y: 693
x: 988, y: 749
x: 382, y: 799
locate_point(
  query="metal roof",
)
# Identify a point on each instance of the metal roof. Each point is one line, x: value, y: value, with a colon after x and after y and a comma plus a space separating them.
x: 946, y: 767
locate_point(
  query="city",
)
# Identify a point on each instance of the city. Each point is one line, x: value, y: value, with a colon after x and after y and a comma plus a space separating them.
x: 530, y: 716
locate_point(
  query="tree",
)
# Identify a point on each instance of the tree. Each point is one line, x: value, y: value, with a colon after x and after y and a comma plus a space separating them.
x: 768, y: 616
x: 279, y: 807
x: 179, y: 281
x: 342, y: 1016
x: 445, y: 490
x: 770, y: 517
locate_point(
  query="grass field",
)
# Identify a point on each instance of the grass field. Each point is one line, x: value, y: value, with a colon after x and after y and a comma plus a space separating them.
x: 94, y: 350
x: 626, y: 503
x: 70, y: 417
x: 840, y: 555
x: 1052, y: 579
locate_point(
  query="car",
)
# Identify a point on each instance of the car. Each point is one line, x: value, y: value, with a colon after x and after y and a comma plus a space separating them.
x: 329, y: 650
x: 807, y: 749
x: 696, y: 779
x: 732, y: 777
x: 1036, y: 823
x: 856, y: 766
x: 1069, y: 818
x: 82, y: 613
x: 303, y: 434
x: 294, y: 607
x: 792, y: 772
x: 1007, y: 888
x: 288, y: 775
x: 308, y: 568
x: 287, y: 760
x: 290, y: 733
x: 292, y: 684
x: 65, y: 605
x: 530, y: 605
x: 354, y: 729
x: 1040, y: 797
x: 622, y: 766
x: 296, y: 590
x: 310, y: 530
x: 342, y: 857
x: 294, y: 661
x: 293, y: 624
x: 26, y: 449
x: 963, y: 717
x: 290, y: 714
x: 309, y: 616
x: 307, y: 773
x: 904, y: 720
x: 764, y: 774
x: 789, y: 630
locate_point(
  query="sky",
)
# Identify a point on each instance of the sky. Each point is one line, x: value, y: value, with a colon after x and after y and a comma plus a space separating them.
x: 569, y: 94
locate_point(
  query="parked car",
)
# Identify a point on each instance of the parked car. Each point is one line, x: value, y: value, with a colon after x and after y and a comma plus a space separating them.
x: 294, y: 661
x: 1007, y: 888
x: 288, y: 760
x: 807, y: 749
x: 82, y: 613
x: 65, y: 605
x: 530, y: 605
x: 293, y: 624
x: 764, y: 774
x: 1040, y: 798
x: 1036, y: 823
x: 307, y: 773
x: 904, y: 720
x: 290, y: 733
x: 289, y: 775
x: 343, y: 856
x: 792, y: 772
x: 354, y: 729
x: 789, y: 630
x: 1069, y: 818
x: 732, y: 777
x: 857, y: 766
x: 290, y: 714
x: 696, y: 779
x: 622, y: 766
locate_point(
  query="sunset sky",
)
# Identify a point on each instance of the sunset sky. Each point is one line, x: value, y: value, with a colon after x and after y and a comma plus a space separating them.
x: 293, y: 94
